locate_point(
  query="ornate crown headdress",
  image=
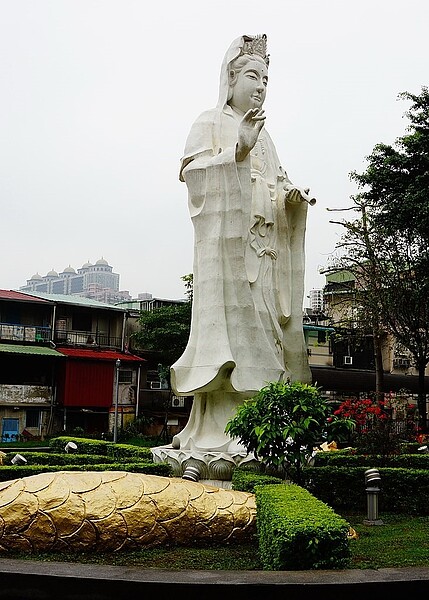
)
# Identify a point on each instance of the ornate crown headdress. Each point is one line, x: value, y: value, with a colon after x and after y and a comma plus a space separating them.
x: 256, y: 45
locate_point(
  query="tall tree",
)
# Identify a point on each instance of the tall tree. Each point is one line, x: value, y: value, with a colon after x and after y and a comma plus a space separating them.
x: 165, y: 330
x: 387, y: 245
x: 360, y: 310
x: 396, y: 181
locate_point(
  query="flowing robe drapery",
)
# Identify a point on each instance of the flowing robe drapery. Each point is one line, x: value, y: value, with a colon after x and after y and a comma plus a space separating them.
x: 248, y: 267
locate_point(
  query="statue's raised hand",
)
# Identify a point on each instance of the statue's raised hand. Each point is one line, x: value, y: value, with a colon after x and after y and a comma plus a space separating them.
x: 248, y: 131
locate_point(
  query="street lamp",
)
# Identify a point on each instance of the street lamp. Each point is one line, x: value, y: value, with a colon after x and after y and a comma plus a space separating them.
x: 372, y: 482
x: 70, y: 447
x: 115, y: 424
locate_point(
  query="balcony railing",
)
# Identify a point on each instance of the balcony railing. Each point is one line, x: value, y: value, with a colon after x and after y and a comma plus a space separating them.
x: 37, y: 334
x: 24, y: 333
x: 87, y: 339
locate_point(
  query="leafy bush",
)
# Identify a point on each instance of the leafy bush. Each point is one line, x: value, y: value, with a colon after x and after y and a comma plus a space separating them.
x: 281, y: 425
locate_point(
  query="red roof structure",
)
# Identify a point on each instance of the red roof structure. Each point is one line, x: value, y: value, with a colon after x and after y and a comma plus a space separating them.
x: 99, y: 354
x: 87, y: 378
x: 13, y: 295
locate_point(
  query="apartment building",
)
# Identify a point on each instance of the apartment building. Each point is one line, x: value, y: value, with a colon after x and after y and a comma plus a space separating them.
x: 64, y: 364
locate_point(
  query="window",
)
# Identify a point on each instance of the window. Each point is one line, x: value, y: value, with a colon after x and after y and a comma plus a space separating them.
x: 125, y: 376
x: 32, y: 418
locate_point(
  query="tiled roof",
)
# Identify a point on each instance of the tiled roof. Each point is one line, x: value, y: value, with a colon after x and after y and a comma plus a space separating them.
x: 68, y: 299
x: 33, y: 350
x: 100, y: 355
x: 13, y: 295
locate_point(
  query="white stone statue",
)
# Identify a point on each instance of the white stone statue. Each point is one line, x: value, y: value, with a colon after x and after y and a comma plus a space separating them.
x: 248, y: 274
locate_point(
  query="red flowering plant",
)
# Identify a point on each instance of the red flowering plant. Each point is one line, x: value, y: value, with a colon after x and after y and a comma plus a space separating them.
x: 363, y: 412
x: 422, y: 438
x: 374, y: 432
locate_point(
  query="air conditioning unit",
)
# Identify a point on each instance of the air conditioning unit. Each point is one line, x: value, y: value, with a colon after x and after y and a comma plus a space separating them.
x: 177, y: 402
x: 347, y: 360
x: 155, y: 385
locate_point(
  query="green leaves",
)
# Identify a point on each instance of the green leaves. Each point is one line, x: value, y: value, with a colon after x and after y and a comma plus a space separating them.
x: 165, y: 330
x: 281, y: 424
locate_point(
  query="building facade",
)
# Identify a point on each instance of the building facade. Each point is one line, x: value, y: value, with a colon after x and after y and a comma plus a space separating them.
x: 352, y: 369
x: 96, y: 281
x: 63, y: 365
x: 316, y: 300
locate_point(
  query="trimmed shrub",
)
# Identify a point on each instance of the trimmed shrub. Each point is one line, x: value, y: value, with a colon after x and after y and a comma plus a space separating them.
x: 84, y: 445
x: 100, y: 447
x: 298, y: 532
x: 119, y: 451
x: 246, y: 480
x: 343, y: 488
x: 55, y: 458
x: 339, y: 459
x: 8, y: 473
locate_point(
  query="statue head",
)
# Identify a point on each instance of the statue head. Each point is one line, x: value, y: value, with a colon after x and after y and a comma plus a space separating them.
x: 240, y: 52
x: 248, y: 80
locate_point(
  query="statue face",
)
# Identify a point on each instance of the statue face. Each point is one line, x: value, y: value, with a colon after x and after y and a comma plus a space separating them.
x: 250, y: 87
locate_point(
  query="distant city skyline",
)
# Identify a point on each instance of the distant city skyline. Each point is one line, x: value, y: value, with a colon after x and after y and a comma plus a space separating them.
x: 97, y: 281
x: 92, y: 280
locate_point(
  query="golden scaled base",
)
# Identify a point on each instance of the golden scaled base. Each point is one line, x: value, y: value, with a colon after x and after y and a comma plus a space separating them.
x: 115, y: 510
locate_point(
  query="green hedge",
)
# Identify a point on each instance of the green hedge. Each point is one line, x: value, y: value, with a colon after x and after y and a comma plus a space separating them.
x: 115, y: 451
x: 343, y: 488
x: 411, y: 447
x: 340, y: 459
x: 8, y: 473
x: 92, y: 455
x: 119, y: 451
x: 298, y: 532
x: 402, y: 490
x: 55, y: 458
x: 245, y: 480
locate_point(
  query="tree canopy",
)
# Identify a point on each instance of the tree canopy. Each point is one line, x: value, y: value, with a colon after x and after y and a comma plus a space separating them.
x: 387, y: 245
x: 165, y: 330
x: 396, y: 182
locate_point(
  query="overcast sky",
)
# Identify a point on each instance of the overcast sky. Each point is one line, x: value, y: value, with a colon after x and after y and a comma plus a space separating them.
x: 97, y: 98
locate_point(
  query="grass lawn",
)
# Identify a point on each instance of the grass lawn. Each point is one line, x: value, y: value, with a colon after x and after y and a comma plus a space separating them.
x: 401, y: 541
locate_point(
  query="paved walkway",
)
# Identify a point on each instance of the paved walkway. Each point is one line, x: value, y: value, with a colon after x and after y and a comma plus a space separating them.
x: 32, y: 580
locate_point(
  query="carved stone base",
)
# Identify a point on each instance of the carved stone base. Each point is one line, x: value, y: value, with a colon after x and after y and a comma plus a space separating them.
x: 211, y: 465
